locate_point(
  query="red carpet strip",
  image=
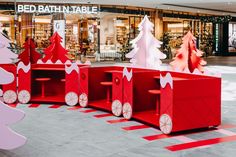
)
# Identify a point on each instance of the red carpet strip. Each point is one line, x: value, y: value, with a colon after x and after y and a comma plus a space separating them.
x: 162, y: 136
x: 103, y: 115
x: 74, y: 108
x: 12, y: 105
x: 88, y: 111
x: 117, y: 121
x: 34, y: 105
x: 184, y: 146
x: 135, y: 127
x: 55, y: 106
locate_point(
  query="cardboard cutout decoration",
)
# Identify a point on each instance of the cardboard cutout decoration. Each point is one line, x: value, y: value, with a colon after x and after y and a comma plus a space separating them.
x: 188, y: 56
x: 8, y: 115
x: 6, y: 55
x: 145, y: 51
x: 55, y: 51
x: 29, y: 55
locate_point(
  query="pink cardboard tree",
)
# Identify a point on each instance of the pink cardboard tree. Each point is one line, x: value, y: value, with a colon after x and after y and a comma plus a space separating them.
x: 8, y: 115
x: 55, y: 51
x: 145, y: 51
x: 6, y: 55
x: 29, y: 55
x: 188, y: 56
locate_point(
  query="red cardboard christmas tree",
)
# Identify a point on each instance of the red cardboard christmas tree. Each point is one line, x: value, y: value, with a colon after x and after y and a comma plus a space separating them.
x: 29, y: 55
x: 55, y: 51
x: 188, y: 56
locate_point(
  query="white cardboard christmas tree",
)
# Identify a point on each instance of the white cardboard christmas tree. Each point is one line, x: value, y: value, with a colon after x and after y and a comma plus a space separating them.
x: 6, y: 55
x: 8, y: 115
x: 146, y: 51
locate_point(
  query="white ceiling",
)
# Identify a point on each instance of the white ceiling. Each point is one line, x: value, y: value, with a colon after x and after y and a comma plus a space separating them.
x: 219, y: 7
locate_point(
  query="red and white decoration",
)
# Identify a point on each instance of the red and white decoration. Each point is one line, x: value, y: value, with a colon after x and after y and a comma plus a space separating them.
x: 165, y: 123
x: 188, y: 56
x: 116, y: 108
x: 127, y: 111
x: 83, y: 100
x: 145, y: 51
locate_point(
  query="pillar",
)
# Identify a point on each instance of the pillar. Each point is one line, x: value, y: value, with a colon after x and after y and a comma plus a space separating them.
x: 158, y: 24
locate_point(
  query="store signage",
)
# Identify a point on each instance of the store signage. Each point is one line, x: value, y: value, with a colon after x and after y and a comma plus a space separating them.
x: 57, y: 9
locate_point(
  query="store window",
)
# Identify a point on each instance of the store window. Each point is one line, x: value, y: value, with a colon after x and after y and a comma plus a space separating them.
x: 7, y: 25
x: 232, y: 37
x: 85, y: 34
x: 114, y: 33
x: 79, y: 31
x: 43, y: 30
x: 176, y: 28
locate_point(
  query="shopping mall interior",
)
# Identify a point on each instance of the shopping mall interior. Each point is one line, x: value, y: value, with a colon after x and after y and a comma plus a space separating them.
x: 98, y: 37
x: 110, y: 29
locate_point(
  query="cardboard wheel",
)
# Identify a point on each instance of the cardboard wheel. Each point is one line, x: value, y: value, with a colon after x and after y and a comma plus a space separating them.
x: 1, y: 92
x: 24, y: 96
x: 71, y: 98
x: 83, y: 100
x: 165, y: 123
x: 116, y: 108
x: 9, y: 96
x: 127, y: 111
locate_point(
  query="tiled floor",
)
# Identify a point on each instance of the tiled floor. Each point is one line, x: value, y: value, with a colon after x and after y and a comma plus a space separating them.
x: 74, y: 132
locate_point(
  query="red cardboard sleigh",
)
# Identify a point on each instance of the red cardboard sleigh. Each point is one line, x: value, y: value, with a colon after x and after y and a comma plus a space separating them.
x: 57, y: 83
x: 10, y: 90
x: 169, y: 100
x: 44, y: 82
x: 173, y: 101
x: 102, y: 87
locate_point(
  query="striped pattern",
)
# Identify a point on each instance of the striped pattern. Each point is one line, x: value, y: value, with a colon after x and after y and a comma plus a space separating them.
x: 195, y: 144
x: 103, y: 115
x: 186, y: 142
x: 88, y: 111
x: 117, y: 121
x: 135, y: 127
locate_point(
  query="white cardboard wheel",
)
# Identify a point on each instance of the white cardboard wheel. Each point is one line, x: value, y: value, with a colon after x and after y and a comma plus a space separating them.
x: 127, y: 111
x: 165, y: 123
x: 9, y: 96
x: 83, y: 100
x: 116, y: 108
x: 1, y: 92
x: 71, y: 98
x: 24, y: 96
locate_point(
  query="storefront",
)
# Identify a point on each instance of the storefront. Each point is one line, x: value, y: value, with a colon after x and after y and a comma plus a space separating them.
x: 232, y: 37
x: 89, y: 30
x: 175, y: 25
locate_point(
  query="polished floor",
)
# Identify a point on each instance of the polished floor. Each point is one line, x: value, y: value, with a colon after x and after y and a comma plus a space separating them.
x: 59, y: 131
